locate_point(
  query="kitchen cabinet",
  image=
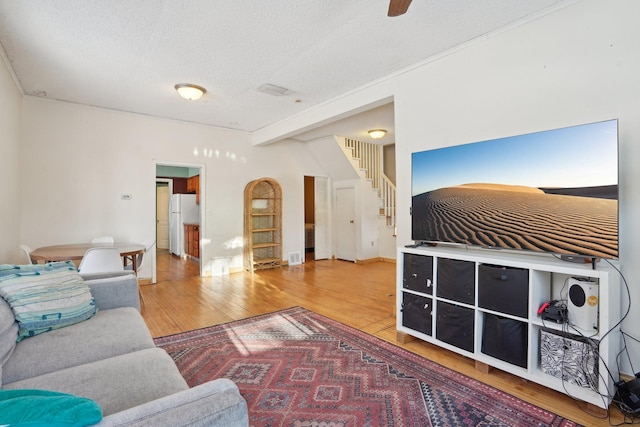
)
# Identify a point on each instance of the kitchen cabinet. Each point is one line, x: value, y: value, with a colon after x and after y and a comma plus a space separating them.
x: 192, y: 240
x: 193, y: 186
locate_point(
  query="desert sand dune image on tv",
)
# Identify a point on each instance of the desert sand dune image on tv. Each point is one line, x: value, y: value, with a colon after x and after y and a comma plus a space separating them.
x: 518, y: 217
x: 553, y: 191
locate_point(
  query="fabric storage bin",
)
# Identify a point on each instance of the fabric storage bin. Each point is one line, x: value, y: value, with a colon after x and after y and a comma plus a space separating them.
x: 571, y: 358
x: 455, y: 325
x: 505, y: 339
x: 417, y: 312
x: 504, y: 289
x: 456, y: 280
x: 418, y: 273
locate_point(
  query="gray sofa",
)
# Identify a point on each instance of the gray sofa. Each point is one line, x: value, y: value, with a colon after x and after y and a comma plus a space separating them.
x: 111, y: 359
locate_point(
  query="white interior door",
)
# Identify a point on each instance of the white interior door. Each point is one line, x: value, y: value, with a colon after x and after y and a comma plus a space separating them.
x: 322, y: 231
x: 345, y: 224
x: 162, y: 217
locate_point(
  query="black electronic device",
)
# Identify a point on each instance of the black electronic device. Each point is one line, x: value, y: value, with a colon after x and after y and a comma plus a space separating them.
x: 628, y: 395
x: 555, y: 311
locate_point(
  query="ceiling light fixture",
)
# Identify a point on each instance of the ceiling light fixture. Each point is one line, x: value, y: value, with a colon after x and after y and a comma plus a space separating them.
x: 377, y: 133
x: 190, y: 91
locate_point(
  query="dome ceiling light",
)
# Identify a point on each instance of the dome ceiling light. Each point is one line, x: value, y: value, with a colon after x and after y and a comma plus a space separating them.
x: 377, y: 133
x: 190, y: 91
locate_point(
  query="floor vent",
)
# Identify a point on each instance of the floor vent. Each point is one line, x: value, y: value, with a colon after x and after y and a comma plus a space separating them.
x: 295, y: 258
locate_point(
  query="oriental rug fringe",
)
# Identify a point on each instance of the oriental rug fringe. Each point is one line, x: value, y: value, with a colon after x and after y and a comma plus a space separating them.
x: 297, y: 368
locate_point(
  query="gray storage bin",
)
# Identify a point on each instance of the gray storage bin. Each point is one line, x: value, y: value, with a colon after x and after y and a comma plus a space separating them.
x: 456, y: 280
x: 418, y: 273
x: 504, y: 289
x: 455, y: 325
x: 417, y: 312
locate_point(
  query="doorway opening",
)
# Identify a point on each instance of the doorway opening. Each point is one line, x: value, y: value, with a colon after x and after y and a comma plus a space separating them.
x: 309, y: 217
x: 317, y: 225
x: 180, y: 206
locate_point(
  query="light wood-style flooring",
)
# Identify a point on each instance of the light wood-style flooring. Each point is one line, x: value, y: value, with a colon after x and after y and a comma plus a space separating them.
x: 362, y: 296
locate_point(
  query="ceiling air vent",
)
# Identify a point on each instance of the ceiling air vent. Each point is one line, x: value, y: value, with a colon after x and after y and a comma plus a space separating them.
x: 273, y: 89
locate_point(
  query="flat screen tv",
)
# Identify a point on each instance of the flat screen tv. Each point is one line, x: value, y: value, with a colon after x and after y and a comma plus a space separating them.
x: 553, y: 191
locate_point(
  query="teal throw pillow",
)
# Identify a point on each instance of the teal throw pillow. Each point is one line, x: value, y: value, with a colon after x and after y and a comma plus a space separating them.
x: 45, y: 296
x: 30, y: 408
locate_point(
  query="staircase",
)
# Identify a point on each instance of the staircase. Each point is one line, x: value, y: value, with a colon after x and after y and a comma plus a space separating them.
x: 369, y: 160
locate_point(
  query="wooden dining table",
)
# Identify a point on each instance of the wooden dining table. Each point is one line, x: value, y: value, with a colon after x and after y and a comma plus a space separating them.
x: 75, y: 252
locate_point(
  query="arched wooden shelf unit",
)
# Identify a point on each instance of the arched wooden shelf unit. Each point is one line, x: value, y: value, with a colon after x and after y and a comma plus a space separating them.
x: 262, y: 224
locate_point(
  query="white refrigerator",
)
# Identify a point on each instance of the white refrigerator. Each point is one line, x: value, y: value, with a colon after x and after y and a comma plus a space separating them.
x: 182, y: 208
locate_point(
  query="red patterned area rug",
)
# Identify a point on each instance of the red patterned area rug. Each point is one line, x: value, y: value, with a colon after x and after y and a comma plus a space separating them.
x: 298, y: 368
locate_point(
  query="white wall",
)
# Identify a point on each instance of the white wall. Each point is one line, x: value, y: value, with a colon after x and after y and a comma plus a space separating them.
x: 10, y: 116
x: 578, y: 65
x: 78, y: 160
x: 330, y: 153
x: 367, y: 208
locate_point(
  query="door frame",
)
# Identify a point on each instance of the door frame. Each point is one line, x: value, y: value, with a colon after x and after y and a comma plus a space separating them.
x: 202, y: 168
x: 329, y: 216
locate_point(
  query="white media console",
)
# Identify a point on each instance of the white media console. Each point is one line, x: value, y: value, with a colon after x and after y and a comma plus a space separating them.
x: 484, y: 304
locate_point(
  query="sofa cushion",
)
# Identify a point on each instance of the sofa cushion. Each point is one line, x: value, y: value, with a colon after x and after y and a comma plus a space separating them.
x: 45, y: 296
x: 117, y: 383
x: 114, y: 289
x: 109, y: 333
x: 8, y: 334
x: 47, y: 408
x: 212, y: 403
x: 8, y: 331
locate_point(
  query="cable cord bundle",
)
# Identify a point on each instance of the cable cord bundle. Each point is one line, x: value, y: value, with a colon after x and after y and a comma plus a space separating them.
x: 589, y: 354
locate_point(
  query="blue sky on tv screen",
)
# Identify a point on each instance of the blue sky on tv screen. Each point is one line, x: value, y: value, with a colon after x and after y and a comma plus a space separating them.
x: 577, y: 156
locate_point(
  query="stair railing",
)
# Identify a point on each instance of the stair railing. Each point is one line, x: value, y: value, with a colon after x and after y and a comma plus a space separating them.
x: 369, y: 158
x: 388, y: 194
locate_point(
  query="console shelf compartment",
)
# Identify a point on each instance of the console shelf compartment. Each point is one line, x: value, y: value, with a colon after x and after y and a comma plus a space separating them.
x: 484, y: 304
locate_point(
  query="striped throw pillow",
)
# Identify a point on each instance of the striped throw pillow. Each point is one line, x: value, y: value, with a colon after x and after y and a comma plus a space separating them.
x: 45, y: 296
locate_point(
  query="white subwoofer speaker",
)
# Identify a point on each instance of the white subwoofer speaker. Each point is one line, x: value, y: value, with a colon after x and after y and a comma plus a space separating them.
x: 582, y: 304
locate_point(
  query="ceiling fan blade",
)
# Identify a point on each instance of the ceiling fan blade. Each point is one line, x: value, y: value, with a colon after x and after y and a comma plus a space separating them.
x: 398, y: 7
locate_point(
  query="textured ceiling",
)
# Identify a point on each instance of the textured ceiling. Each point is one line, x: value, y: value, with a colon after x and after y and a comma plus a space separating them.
x: 128, y: 54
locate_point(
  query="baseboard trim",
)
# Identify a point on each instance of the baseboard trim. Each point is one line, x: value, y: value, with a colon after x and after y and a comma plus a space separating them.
x: 378, y: 259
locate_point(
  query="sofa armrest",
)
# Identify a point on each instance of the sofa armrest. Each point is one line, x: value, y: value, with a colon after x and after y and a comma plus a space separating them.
x: 114, y: 290
x: 214, y: 403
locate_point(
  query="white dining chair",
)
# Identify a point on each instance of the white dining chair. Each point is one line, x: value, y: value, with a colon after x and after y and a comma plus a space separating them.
x: 27, y: 251
x: 102, y: 239
x: 101, y: 260
x: 139, y: 259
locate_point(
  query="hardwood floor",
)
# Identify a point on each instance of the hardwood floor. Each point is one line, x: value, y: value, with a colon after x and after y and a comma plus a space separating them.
x: 362, y: 296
